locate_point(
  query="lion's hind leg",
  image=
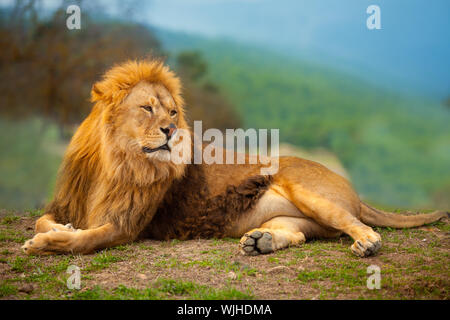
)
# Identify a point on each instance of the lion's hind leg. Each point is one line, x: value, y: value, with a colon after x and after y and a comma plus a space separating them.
x: 327, y: 213
x: 277, y: 233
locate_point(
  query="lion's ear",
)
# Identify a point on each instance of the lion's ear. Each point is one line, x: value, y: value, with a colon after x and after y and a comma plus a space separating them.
x: 96, y: 93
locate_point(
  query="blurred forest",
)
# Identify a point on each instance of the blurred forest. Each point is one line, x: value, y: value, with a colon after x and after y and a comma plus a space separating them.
x: 55, y: 68
x: 47, y: 72
x: 395, y: 148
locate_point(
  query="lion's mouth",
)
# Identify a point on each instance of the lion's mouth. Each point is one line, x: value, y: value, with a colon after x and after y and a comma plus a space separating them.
x: 150, y: 150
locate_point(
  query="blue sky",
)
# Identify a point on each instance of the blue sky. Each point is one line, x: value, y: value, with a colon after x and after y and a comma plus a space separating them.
x: 412, y: 49
x: 410, y: 52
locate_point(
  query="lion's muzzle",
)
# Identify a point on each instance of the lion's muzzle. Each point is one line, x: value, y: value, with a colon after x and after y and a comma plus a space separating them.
x: 151, y: 150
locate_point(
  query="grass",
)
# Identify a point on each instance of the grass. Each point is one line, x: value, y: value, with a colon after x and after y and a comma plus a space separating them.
x: 119, y: 293
x: 7, y: 290
x: 219, y: 261
x: 19, y: 264
x: 348, y: 274
x: 414, y: 264
x: 9, y: 219
x: 195, y: 291
x: 162, y: 289
x: 8, y: 234
x: 103, y: 260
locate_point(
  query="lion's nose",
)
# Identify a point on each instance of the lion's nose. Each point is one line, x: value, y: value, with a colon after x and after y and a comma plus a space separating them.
x: 169, y: 131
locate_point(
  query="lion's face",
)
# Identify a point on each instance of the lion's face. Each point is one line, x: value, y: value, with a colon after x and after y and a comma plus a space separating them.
x: 147, y: 121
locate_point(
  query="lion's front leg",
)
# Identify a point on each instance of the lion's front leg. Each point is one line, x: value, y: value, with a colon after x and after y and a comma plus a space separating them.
x: 80, y: 241
x: 47, y: 223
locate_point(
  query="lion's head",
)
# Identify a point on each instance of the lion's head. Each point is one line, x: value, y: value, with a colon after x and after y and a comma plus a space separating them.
x: 119, y: 162
x: 142, y: 112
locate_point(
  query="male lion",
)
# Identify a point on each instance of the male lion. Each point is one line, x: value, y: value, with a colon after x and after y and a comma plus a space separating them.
x: 117, y: 183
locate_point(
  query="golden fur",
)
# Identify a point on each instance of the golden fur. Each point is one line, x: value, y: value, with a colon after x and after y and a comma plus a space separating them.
x: 116, y: 183
x: 105, y: 177
x: 102, y: 176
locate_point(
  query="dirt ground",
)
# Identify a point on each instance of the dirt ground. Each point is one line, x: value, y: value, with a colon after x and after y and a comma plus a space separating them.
x: 414, y: 264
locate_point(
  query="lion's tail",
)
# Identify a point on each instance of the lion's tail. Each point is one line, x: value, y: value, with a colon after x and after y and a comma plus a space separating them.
x: 378, y: 218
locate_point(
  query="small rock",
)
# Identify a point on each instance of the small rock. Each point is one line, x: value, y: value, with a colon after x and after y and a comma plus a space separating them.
x: 231, y: 275
x: 424, y: 240
x: 142, y: 276
x: 27, y: 288
x: 279, y: 269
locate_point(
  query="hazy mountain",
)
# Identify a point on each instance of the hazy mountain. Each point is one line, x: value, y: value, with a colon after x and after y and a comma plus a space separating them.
x: 409, y: 53
x: 395, y: 146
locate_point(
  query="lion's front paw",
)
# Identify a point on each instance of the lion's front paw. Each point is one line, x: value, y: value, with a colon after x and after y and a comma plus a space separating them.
x: 367, y: 246
x: 36, y: 245
x: 256, y: 242
x: 51, y: 242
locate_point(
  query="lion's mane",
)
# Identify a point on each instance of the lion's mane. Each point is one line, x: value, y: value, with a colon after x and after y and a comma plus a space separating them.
x: 99, y: 183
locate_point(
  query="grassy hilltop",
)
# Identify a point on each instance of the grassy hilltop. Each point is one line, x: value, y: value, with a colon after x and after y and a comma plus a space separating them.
x: 414, y: 265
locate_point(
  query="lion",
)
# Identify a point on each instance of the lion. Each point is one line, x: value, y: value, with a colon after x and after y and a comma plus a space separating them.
x: 117, y: 183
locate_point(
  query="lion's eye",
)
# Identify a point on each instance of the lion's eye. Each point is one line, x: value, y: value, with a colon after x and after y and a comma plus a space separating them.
x: 173, y: 113
x: 147, y: 108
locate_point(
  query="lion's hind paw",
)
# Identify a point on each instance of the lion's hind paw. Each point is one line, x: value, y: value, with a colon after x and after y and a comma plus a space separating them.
x: 366, y: 247
x: 256, y: 242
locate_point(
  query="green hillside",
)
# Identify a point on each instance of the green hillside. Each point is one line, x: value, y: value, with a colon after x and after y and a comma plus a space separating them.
x: 31, y: 153
x: 396, y: 148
